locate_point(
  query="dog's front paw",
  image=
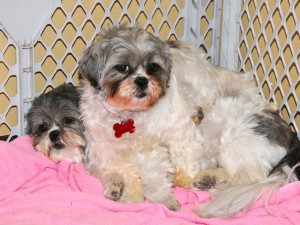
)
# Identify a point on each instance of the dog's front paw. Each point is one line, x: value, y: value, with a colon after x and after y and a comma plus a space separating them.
x: 172, y: 203
x: 114, y: 188
x: 204, y: 183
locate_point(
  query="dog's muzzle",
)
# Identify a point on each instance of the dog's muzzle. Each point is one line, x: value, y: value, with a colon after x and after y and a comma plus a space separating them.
x: 54, y: 138
x: 142, y: 85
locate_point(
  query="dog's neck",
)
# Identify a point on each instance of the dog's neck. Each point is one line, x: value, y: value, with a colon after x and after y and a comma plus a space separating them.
x: 126, y: 124
x: 121, y: 116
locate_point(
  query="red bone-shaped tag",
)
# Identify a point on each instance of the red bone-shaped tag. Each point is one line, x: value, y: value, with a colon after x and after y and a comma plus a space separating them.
x: 123, y: 127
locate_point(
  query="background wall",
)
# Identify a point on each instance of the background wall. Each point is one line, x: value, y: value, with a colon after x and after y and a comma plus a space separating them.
x: 269, y: 46
x: 8, y: 84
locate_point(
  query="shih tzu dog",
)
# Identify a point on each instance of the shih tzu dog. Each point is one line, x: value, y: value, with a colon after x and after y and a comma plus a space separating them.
x: 53, y: 122
x: 138, y: 104
x: 125, y: 75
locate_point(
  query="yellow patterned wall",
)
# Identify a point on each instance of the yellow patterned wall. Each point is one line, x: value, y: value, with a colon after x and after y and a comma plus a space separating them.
x: 205, y: 31
x: 269, y: 46
x: 9, y: 81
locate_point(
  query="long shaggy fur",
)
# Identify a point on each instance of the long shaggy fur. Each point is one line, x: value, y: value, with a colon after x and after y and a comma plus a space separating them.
x: 260, y: 136
x: 128, y: 73
x: 124, y: 74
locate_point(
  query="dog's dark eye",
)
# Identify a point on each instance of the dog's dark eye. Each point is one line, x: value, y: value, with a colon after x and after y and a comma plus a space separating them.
x: 122, y: 68
x: 43, y: 128
x: 153, y: 68
x: 69, y: 120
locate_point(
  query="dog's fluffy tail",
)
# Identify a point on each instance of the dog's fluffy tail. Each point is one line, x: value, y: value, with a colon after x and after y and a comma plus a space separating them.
x: 230, y: 200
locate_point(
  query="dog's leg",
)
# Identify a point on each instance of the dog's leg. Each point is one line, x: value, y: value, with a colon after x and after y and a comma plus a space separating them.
x: 185, y: 156
x: 208, y: 179
x: 113, y: 185
x: 112, y: 182
x: 133, y: 190
x: 157, y: 176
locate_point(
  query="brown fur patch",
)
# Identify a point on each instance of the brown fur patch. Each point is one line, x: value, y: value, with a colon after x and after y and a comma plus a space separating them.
x: 198, y: 116
x: 72, y: 139
x: 44, y: 147
x: 181, y: 179
x: 125, y: 99
x: 134, y: 190
x: 271, y: 107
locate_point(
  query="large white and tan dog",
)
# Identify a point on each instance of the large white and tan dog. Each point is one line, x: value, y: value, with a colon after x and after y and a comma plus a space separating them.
x: 138, y: 98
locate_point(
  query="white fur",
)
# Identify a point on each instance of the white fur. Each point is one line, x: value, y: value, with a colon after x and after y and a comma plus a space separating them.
x: 238, y: 198
x: 228, y: 133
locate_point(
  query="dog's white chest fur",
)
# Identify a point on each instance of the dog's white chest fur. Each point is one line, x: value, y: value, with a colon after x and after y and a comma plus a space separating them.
x: 168, y: 122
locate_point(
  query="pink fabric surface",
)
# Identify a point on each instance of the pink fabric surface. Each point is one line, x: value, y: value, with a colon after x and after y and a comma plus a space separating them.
x: 35, y: 190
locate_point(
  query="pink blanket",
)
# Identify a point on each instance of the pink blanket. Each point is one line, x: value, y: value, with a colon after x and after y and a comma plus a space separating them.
x: 35, y: 190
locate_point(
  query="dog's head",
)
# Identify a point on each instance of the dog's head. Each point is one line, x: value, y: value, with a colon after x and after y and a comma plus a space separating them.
x: 53, y: 121
x: 128, y: 67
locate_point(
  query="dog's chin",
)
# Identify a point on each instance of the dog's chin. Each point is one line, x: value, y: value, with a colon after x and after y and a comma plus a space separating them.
x: 132, y: 104
x: 68, y: 154
x: 47, y: 148
x: 58, y: 152
x: 70, y: 147
x: 58, y: 146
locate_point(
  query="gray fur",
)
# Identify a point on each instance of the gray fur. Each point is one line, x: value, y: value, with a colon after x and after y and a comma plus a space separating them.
x: 274, y: 128
x: 52, y: 107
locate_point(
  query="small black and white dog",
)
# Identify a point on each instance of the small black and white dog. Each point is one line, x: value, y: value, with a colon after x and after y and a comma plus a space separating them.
x: 53, y: 121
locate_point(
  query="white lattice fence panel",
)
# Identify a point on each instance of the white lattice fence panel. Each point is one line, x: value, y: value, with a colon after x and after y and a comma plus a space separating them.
x: 270, y: 46
x: 209, y: 28
x: 10, y: 101
x: 202, y: 26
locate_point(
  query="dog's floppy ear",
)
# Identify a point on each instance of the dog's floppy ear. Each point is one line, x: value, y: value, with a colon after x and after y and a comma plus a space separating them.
x: 31, y: 117
x: 92, y: 63
x: 28, y: 130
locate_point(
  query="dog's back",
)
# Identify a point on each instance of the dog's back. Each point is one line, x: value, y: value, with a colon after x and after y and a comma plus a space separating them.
x: 270, y: 126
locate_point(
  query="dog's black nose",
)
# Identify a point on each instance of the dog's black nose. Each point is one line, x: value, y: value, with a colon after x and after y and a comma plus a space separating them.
x: 141, y: 82
x: 54, y: 135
